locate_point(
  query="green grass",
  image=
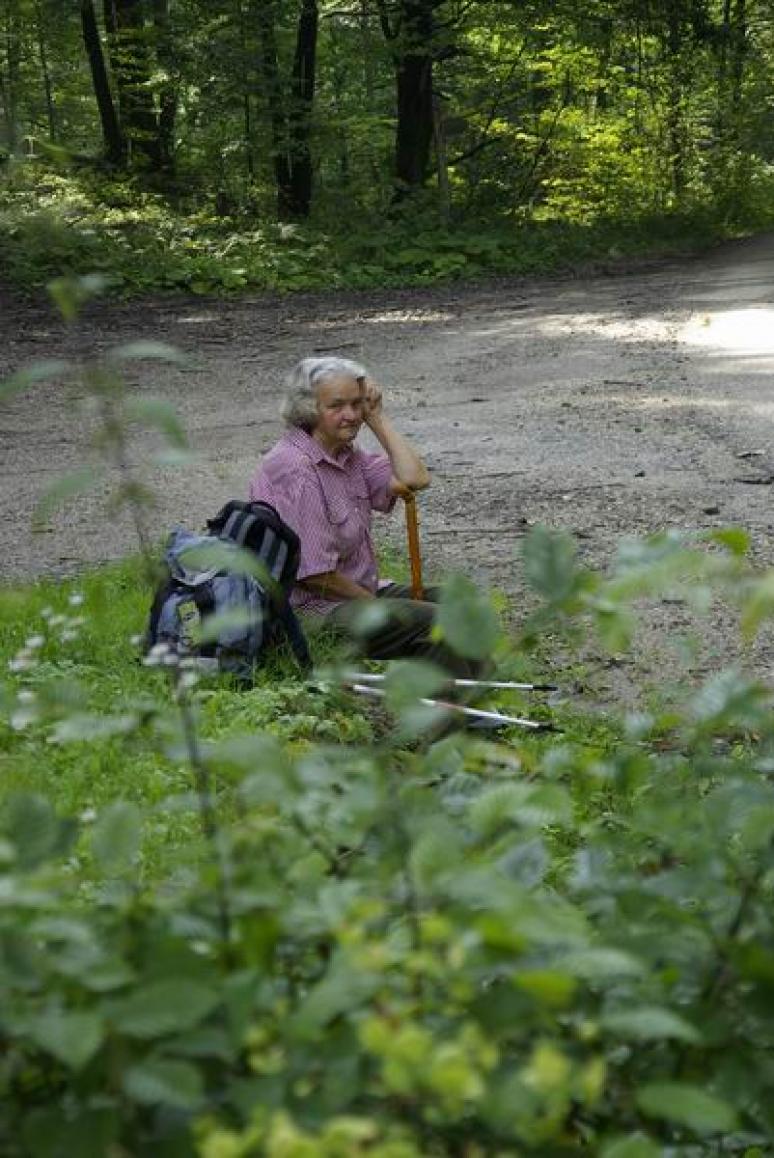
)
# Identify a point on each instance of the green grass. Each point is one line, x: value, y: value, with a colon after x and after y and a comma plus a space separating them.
x: 103, y: 726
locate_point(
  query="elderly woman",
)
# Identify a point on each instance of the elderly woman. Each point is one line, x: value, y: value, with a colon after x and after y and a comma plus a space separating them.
x: 326, y: 488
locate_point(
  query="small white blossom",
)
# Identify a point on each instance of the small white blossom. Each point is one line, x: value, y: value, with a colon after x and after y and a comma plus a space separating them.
x: 135, y: 640
x: 22, y: 717
x: 76, y: 599
x: 57, y: 620
x: 188, y: 680
x: 34, y: 641
x: 88, y: 815
x: 46, y: 613
x: 68, y: 635
x: 21, y: 662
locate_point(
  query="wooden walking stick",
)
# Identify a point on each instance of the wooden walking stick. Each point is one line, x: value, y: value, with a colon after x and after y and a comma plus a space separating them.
x: 415, y: 559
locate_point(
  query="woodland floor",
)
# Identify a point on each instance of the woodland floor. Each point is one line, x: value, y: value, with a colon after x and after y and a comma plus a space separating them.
x: 609, y: 404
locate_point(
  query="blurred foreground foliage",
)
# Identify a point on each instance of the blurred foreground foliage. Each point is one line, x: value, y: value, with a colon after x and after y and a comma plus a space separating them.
x: 536, y: 946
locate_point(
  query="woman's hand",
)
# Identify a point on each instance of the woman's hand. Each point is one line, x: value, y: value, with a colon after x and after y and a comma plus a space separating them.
x: 372, y: 401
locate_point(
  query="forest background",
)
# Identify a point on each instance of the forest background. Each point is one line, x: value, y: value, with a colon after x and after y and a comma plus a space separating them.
x: 286, y: 144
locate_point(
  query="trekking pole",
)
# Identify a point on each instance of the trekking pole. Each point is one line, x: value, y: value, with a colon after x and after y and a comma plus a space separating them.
x: 415, y: 558
x: 377, y: 677
x: 471, y: 713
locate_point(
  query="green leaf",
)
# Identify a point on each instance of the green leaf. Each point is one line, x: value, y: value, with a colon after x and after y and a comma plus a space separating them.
x: 758, y: 604
x: 34, y: 829
x: 69, y: 294
x: 163, y: 1007
x: 145, y: 348
x: 549, y: 563
x: 650, y: 1023
x: 687, y: 1105
x: 73, y: 1038
x: 56, y: 1132
x: 69, y: 486
x: 162, y: 1081
x: 634, y: 1146
x: 527, y: 804
x: 159, y: 414
x: 37, y: 372
x: 601, y: 964
x: 115, y: 840
x: 734, y: 539
x: 90, y: 726
x: 466, y: 619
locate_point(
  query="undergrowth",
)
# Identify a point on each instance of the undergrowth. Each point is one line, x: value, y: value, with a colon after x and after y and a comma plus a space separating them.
x: 54, y: 223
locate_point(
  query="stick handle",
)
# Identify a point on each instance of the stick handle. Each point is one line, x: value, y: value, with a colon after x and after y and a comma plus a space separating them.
x: 415, y: 559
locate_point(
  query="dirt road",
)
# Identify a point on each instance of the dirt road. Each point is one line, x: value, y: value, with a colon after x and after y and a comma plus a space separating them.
x: 611, y: 404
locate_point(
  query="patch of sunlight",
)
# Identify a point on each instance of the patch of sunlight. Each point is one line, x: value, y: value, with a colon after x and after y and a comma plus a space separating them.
x: 749, y: 331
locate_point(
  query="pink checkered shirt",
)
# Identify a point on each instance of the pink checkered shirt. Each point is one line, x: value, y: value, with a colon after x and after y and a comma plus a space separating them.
x: 328, y: 503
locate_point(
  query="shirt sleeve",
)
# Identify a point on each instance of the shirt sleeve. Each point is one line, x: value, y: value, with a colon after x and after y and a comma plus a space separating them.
x: 377, y: 471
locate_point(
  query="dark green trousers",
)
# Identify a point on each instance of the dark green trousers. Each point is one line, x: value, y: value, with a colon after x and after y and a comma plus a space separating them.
x: 405, y: 634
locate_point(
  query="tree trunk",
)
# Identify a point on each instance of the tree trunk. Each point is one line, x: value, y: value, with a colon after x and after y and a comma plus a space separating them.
x: 413, y: 52
x: 130, y: 62
x: 269, y: 70
x: 167, y: 92
x: 247, y: 118
x: 9, y: 82
x: 290, y: 126
x: 298, y: 197
x: 675, y: 111
x: 113, y: 138
x: 48, y: 87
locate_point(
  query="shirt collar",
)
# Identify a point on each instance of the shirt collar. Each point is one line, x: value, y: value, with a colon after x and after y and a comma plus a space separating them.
x: 303, y: 441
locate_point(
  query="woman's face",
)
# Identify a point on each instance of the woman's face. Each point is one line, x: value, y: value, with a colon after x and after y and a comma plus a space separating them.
x: 339, y: 413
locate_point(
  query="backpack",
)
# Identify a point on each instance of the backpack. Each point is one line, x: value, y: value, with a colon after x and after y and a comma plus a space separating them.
x: 196, y: 588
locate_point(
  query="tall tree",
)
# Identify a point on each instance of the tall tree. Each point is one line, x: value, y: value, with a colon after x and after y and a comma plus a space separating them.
x: 290, y: 107
x: 409, y: 28
x: 128, y: 47
x: 113, y: 138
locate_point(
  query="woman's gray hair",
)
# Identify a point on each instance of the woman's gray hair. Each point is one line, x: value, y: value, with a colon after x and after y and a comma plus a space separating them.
x: 299, y: 406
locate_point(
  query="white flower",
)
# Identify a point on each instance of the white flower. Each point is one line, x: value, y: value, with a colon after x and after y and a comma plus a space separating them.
x: 22, y: 718
x: 35, y: 641
x: 76, y: 599
x: 88, y: 815
x: 135, y: 640
x: 21, y: 662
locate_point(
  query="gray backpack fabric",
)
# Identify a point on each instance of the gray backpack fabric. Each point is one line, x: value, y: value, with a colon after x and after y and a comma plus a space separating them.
x: 202, y: 583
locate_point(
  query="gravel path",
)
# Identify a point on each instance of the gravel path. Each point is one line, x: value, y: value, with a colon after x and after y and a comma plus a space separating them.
x: 618, y: 403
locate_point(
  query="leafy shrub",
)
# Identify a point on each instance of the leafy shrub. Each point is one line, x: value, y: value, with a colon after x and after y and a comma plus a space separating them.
x: 535, y: 947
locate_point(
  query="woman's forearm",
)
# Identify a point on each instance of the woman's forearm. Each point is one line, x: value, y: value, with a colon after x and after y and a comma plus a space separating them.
x: 334, y: 585
x: 407, y: 466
